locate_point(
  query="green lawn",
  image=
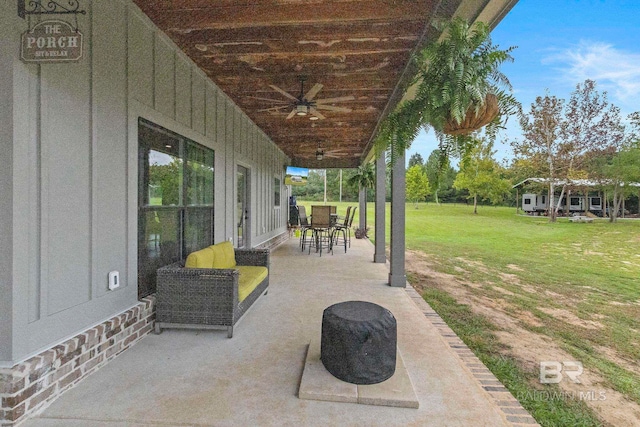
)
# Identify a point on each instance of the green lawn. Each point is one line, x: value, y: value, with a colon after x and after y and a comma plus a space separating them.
x: 588, y: 272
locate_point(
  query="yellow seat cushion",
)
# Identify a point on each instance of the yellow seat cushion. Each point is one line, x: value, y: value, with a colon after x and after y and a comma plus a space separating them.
x: 249, y: 279
x: 200, y: 259
x: 224, y: 255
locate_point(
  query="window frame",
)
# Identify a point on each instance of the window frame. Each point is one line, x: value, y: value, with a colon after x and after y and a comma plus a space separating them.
x: 186, y: 212
x: 277, y: 192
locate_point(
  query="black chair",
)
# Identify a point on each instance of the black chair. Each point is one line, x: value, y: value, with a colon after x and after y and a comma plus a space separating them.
x: 342, y: 227
x: 304, y: 226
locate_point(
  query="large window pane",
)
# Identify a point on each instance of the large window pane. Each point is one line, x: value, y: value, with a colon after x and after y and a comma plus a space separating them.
x: 165, y: 179
x: 158, y: 245
x: 199, y: 173
x: 198, y: 229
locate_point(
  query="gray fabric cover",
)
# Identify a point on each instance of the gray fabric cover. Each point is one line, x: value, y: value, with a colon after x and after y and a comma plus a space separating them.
x: 359, y: 342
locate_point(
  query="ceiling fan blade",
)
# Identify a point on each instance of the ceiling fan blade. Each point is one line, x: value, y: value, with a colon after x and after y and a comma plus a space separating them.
x: 316, y: 113
x: 286, y: 94
x: 280, y: 101
x: 291, y: 114
x: 313, y: 91
x: 332, y: 108
x: 273, y: 108
x: 338, y: 99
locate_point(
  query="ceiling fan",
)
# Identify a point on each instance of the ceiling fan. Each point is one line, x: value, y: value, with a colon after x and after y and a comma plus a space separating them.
x: 337, y: 153
x: 305, y: 104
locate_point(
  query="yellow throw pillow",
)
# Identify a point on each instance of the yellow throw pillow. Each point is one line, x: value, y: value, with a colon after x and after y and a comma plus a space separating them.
x: 224, y: 255
x: 200, y: 259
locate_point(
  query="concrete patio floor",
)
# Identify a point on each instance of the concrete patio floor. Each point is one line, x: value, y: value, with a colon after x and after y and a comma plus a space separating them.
x: 201, y: 378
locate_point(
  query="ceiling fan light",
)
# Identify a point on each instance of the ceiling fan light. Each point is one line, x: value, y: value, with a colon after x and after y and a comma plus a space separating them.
x: 313, y: 118
x: 301, y: 110
x: 319, y: 155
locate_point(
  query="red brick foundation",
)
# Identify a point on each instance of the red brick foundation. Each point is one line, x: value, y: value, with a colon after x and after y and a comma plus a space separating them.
x: 30, y: 386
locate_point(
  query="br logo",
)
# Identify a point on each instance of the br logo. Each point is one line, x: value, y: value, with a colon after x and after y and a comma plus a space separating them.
x: 551, y: 371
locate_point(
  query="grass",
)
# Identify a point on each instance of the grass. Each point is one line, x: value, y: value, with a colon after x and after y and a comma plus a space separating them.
x: 477, y: 332
x: 564, y: 275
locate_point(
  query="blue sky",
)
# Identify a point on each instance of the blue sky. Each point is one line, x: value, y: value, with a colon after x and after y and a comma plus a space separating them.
x: 560, y: 44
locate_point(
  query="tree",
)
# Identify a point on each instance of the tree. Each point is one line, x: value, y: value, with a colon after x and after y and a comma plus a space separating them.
x: 482, y: 176
x: 165, y: 181
x: 615, y: 173
x: 415, y: 159
x: 439, y: 173
x: 417, y: 184
x: 559, y: 138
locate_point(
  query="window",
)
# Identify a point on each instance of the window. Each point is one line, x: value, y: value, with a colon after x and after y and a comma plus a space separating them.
x: 595, y: 201
x: 575, y: 201
x: 175, y: 200
x: 543, y: 200
x: 276, y: 192
x: 527, y: 201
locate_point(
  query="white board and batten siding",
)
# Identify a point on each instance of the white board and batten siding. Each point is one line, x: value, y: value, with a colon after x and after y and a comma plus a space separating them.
x: 74, y: 151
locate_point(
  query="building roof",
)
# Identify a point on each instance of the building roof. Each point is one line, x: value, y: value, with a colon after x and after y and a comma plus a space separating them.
x: 571, y: 183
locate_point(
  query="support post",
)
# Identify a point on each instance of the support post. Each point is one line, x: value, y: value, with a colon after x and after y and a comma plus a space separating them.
x: 381, y: 168
x: 362, y: 197
x: 397, y: 275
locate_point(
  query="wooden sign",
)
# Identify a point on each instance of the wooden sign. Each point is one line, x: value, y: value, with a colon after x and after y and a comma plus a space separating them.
x: 51, y: 41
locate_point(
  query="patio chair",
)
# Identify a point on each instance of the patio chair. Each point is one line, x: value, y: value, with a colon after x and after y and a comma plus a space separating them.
x: 321, y: 228
x: 347, y: 227
x: 342, y: 228
x: 304, y: 225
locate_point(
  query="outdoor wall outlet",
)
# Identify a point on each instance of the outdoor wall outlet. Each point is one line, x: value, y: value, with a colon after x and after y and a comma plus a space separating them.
x: 114, y: 280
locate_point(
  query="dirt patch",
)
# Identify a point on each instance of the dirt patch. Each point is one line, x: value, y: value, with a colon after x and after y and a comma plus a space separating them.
x: 510, y: 279
x: 528, y: 347
x: 572, y: 319
x: 503, y: 291
x: 474, y: 265
x: 624, y: 304
x: 529, y: 318
x: 514, y: 267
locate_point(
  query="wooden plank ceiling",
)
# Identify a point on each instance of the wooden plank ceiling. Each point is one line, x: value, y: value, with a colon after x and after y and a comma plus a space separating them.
x: 356, y: 49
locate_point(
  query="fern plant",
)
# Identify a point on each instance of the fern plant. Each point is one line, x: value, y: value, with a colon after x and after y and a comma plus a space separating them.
x: 458, y: 89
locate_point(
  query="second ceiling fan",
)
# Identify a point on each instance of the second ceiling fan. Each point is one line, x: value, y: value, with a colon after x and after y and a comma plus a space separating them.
x: 305, y: 104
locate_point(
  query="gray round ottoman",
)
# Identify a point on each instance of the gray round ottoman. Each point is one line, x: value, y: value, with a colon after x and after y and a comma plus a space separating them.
x: 359, y: 342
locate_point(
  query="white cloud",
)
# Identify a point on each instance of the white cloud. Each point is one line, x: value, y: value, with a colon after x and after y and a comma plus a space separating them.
x: 615, y: 70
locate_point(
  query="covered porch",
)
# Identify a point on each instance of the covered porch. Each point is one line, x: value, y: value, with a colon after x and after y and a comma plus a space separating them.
x: 202, y: 378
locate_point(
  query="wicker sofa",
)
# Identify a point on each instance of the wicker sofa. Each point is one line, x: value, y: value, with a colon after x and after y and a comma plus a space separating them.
x: 209, y: 298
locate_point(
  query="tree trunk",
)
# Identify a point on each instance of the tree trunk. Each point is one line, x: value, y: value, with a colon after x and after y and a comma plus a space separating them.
x: 556, y: 208
x: 475, y: 204
x: 551, y: 205
x: 436, y: 197
x: 617, y: 198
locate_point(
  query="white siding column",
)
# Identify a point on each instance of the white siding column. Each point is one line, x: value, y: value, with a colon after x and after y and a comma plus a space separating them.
x: 379, y: 255
x: 397, y: 275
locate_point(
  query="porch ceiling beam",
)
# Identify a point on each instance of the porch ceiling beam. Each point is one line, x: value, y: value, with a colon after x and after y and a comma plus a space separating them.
x: 324, y: 35
x: 260, y: 14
